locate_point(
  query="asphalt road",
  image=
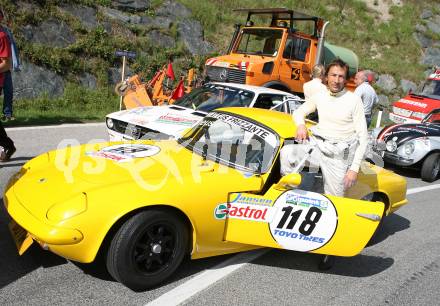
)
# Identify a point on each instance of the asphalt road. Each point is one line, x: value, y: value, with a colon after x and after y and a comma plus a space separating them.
x: 400, y: 267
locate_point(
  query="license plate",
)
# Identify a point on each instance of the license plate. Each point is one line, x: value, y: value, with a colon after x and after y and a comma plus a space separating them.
x: 397, y: 119
x: 21, y: 237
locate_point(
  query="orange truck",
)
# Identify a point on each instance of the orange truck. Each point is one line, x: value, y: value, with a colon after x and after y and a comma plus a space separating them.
x: 415, y: 106
x: 280, y: 55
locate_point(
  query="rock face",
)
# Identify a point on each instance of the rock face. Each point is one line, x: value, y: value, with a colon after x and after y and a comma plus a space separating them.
x: 115, y: 74
x: 172, y: 8
x: 431, y: 47
x: 386, y: 82
x: 431, y: 56
x: 383, y: 101
x: 166, y: 26
x: 33, y: 81
x: 87, y: 15
x: 88, y: 80
x: 52, y: 33
x: 161, y: 40
x: 131, y: 5
x: 190, y: 31
x: 407, y: 86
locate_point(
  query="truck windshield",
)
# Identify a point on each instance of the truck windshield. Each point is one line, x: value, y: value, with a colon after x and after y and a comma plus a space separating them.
x: 213, y: 96
x: 260, y: 42
x: 431, y: 89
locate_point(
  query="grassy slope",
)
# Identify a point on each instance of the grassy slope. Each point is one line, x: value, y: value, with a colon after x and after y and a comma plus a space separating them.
x: 382, y: 47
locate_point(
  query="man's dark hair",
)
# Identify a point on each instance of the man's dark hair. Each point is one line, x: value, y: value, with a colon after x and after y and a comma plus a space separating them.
x: 340, y: 63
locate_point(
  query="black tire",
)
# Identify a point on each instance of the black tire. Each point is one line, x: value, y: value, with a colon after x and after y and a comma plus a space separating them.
x: 431, y: 168
x: 147, y: 249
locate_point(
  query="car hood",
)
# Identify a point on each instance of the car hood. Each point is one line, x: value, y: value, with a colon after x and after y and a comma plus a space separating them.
x: 62, y: 175
x: 168, y: 119
x: 417, y: 103
x: 404, y: 132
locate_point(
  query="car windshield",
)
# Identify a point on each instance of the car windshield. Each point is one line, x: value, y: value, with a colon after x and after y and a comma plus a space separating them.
x: 433, y: 117
x: 431, y: 89
x: 260, y: 42
x: 213, y: 96
x: 233, y: 141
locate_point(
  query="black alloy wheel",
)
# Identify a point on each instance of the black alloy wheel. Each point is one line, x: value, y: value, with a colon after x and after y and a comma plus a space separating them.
x: 147, y: 249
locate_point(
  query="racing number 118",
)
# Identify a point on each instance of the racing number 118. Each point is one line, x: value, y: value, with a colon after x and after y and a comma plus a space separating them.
x: 309, y: 223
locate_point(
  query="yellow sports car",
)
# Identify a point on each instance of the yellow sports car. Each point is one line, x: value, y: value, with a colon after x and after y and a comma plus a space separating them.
x: 216, y: 190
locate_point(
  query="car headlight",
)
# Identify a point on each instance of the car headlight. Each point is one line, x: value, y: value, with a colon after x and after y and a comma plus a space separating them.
x: 68, y: 209
x: 409, y: 148
x: 110, y: 123
x: 391, y: 145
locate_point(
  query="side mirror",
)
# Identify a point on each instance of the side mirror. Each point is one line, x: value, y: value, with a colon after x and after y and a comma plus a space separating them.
x: 289, y: 181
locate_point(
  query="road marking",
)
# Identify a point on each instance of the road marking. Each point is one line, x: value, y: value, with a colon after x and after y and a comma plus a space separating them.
x: 67, y: 125
x: 421, y: 189
x: 202, y: 281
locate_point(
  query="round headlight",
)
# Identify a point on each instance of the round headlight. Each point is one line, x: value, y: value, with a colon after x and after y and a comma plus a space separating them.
x: 391, y: 146
x: 409, y: 148
x: 109, y: 123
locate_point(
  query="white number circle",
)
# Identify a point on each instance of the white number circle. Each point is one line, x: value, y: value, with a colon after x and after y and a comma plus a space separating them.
x: 304, y: 221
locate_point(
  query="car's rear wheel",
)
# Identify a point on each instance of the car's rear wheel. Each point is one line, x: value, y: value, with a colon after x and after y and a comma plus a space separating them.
x: 147, y: 249
x: 431, y: 168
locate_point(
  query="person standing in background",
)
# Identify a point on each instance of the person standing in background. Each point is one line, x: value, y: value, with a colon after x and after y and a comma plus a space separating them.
x: 7, y: 86
x: 7, y: 147
x: 316, y: 84
x: 367, y: 94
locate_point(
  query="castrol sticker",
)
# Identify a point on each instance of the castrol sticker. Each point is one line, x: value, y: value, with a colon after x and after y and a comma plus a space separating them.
x: 256, y: 213
x: 302, y: 220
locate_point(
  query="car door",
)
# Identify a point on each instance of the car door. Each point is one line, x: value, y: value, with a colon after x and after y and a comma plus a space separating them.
x: 295, y: 62
x: 299, y: 220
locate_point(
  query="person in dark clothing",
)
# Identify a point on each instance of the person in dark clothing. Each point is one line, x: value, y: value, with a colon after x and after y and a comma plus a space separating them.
x: 7, y: 147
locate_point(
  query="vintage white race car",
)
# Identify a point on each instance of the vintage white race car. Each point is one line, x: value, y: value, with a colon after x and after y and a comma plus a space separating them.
x: 415, y: 145
x: 170, y: 121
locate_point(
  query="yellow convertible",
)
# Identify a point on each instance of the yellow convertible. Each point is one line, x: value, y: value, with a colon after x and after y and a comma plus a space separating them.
x: 216, y: 190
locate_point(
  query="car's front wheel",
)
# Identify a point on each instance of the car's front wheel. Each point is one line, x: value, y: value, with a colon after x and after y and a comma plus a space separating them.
x: 431, y: 167
x: 147, y: 249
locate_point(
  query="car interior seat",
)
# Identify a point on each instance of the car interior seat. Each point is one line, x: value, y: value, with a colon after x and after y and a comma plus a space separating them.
x: 264, y: 102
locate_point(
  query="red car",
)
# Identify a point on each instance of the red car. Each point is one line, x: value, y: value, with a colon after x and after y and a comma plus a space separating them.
x: 415, y: 106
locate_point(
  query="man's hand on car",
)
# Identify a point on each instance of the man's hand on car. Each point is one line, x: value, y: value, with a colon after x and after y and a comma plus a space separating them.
x: 301, y: 133
x: 350, y: 179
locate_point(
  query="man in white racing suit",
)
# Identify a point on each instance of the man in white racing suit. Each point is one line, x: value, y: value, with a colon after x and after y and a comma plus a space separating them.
x: 341, y: 135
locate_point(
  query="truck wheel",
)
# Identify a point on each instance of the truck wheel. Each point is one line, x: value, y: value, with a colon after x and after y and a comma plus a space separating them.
x: 431, y: 167
x: 147, y: 249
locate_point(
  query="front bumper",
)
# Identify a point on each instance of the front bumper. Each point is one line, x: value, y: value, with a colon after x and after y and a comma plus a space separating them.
x: 69, y: 243
x: 43, y: 233
x: 398, y: 160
